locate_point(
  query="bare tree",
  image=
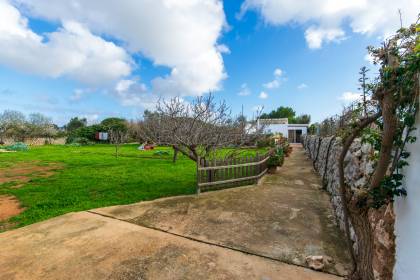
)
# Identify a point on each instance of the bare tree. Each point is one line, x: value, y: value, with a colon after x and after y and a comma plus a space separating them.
x: 41, y: 126
x: 196, y: 129
x: 13, y: 125
x: 117, y: 135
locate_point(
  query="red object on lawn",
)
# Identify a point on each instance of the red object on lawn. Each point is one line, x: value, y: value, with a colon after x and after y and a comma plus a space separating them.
x: 149, y: 147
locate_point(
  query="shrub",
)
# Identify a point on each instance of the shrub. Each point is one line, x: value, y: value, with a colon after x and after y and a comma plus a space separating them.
x: 19, y: 146
x: 74, y: 145
x: 79, y: 141
x: 280, y: 154
x: 274, y: 161
x: 266, y: 141
x: 161, y: 153
x: 86, y: 132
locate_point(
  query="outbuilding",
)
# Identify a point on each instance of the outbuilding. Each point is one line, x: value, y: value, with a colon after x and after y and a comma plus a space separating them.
x: 293, y: 132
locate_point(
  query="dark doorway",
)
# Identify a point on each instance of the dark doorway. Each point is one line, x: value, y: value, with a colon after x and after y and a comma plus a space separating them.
x: 299, y: 136
x: 295, y: 136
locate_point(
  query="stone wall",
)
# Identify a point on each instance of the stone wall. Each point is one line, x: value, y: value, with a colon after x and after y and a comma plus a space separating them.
x: 325, y: 152
x: 38, y: 141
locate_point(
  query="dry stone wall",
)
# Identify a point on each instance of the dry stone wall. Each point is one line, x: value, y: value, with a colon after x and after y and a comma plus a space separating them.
x: 325, y: 152
x: 38, y: 141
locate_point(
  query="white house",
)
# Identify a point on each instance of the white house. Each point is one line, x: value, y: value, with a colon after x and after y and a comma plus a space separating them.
x: 293, y: 132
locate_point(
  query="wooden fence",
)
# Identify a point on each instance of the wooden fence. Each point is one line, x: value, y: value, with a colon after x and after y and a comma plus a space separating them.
x: 219, y: 174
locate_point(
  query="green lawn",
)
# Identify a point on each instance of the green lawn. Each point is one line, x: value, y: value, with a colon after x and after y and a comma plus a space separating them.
x: 92, y: 177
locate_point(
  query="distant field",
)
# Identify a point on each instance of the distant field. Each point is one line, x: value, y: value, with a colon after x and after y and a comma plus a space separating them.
x: 62, y: 179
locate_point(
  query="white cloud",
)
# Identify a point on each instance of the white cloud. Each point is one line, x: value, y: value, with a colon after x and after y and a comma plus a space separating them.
x: 272, y: 85
x: 302, y: 86
x: 91, y: 118
x: 369, y: 58
x: 223, y: 48
x: 181, y: 35
x: 245, y: 91
x: 328, y: 17
x: 263, y: 95
x: 71, y: 51
x: 133, y: 93
x: 277, y: 72
x: 316, y: 36
x: 349, y: 96
x: 78, y: 94
x: 275, y: 83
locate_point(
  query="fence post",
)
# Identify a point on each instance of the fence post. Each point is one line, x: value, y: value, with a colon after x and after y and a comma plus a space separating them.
x: 198, y: 175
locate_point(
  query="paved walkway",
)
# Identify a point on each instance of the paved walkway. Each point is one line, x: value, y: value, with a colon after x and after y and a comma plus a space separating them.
x: 243, y: 233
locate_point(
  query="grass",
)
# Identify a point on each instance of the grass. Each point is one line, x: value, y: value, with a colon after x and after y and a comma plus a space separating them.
x: 92, y: 177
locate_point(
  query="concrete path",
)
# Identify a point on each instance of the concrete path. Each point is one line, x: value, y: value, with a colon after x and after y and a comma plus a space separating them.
x: 287, y: 217
x: 242, y: 233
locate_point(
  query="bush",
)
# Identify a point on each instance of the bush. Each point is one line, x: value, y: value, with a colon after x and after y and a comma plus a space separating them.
x: 280, y: 154
x: 274, y: 161
x: 79, y: 141
x: 267, y: 141
x: 74, y: 145
x: 161, y: 153
x: 19, y: 146
x: 87, y: 132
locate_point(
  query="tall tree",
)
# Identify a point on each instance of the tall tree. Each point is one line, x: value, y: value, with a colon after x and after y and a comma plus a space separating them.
x: 76, y: 123
x: 280, y: 112
x: 289, y: 113
x: 303, y: 119
x: 109, y: 123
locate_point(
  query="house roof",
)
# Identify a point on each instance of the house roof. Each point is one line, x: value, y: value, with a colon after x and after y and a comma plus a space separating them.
x: 298, y: 125
x: 274, y: 121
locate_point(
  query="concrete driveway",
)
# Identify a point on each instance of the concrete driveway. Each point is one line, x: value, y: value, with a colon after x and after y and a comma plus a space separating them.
x: 242, y: 233
x: 88, y: 246
x: 287, y: 217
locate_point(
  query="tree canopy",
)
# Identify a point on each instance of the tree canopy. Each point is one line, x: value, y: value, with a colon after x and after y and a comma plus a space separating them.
x: 114, y: 123
x: 76, y: 123
x: 15, y: 125
x: 289, y: 113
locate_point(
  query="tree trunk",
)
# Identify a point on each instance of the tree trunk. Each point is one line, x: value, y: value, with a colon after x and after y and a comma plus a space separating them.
x: 175, y: 154
x: 388, y: 134
x: 364, y: 253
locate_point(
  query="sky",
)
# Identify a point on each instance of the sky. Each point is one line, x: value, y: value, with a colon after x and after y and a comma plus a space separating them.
x: 103, y: 58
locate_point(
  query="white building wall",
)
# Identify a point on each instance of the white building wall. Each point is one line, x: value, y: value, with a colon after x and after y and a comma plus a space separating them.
x: 303, y: 128
x: 407, y: 211
x: 277, y: 128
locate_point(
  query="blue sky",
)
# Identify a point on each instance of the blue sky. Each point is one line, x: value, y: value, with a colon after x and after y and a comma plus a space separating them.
x: 71, y: 58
